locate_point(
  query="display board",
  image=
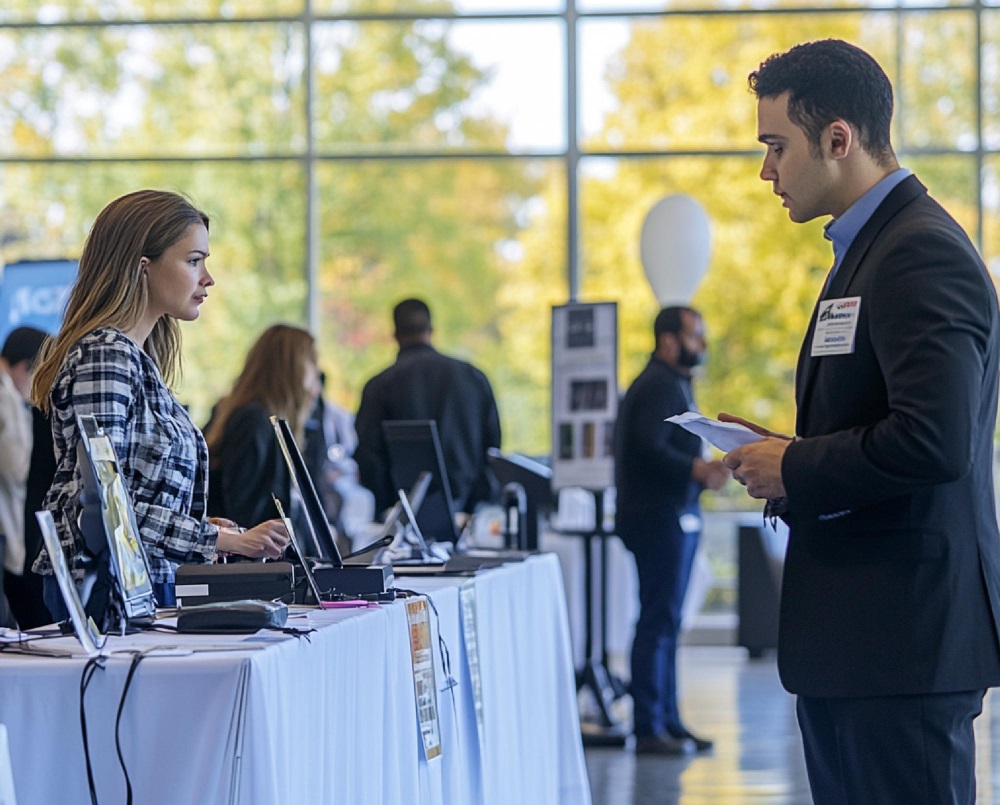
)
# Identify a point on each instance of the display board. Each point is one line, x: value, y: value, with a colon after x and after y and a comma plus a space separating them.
x: 33, y: 293
x: 584, y: 394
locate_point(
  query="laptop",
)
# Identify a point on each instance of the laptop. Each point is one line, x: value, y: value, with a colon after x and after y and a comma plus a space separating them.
x: 322, y: 601
x: 414, y: 447
x: 409, y: 552
x: 319, y: 525
x: 351, y: 579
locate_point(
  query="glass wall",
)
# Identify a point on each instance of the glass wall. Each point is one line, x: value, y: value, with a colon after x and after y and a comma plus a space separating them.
x: 494, y: 156
x: 352, y: 152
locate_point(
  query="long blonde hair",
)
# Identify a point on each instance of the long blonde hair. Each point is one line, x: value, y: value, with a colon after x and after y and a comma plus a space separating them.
x: 274, y: 376
x: 109, y: 291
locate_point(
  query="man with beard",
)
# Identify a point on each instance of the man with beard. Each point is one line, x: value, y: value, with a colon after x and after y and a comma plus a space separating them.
x: 660, y: 474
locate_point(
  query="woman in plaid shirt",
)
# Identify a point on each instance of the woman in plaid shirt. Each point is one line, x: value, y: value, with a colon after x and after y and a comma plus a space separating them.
x: 142, y: 270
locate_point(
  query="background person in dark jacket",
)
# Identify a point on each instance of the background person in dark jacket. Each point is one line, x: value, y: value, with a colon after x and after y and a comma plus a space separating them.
x: 659, y: 474
x: 424, y: 384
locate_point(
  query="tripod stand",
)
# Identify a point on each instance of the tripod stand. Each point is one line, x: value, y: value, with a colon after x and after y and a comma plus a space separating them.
x: 594, y: 676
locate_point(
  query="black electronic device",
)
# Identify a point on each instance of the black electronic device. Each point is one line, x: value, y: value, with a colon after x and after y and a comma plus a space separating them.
x: 313, y: 593
x: 414, y: 446
x: 232, y: 617
x: 207, y: 584
x: 519, y: 473
x: 347, y: 579
x: 121, y: 591
x: 319, y: 525
x: 359, y: 580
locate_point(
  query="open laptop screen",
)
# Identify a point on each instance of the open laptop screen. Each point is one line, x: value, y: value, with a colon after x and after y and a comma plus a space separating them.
x: 300, y: 552
x: 319, y: 526
x: 85, y: 629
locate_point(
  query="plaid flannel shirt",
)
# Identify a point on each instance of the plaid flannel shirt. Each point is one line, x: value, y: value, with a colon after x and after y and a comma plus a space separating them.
x: 161, y: 453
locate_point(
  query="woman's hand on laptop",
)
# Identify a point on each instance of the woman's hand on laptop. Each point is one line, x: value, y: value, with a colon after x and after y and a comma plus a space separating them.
x: 267, y: 540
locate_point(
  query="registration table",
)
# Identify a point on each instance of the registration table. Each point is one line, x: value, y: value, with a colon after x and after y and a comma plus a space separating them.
x: 268, y: 718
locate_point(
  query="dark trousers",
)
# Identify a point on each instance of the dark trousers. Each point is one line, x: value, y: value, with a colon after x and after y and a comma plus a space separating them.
x: 664, y: 555
x: 891, y: 750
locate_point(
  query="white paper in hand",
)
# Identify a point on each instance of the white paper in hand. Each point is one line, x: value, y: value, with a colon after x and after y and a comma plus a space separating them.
x: 724, y: 435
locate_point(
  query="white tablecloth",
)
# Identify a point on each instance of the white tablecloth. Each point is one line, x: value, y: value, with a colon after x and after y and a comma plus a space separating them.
x: 331, y: 719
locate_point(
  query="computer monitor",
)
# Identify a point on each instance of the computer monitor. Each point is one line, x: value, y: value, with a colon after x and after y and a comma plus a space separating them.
x: 110, y: 532
x: 536, y: 481
x: 319, y: 525
x: 415, y: 447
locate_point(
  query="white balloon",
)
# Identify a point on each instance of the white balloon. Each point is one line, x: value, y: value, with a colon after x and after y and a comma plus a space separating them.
x: 675, y: 245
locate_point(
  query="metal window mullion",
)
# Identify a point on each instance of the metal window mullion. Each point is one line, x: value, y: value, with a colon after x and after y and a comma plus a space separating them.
x: 312, y: 190
x: 572, y: 157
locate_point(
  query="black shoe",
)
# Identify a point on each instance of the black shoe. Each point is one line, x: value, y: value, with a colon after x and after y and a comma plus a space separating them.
x: 700, y: 744
x: 663, y: 745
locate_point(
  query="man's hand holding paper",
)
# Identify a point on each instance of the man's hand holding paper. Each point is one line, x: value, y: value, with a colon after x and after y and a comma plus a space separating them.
x: 757, y: 464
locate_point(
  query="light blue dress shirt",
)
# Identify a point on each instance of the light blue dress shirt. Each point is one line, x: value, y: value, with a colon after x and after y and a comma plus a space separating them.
x: 843, y: 230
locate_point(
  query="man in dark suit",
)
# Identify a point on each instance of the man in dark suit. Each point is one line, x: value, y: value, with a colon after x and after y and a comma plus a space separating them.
x: 424, y: 384
x: 891, y: 594
x: 659, y: 476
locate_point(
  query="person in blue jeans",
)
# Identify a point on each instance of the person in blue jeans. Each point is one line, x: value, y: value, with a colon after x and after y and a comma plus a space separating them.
x: 660, y: 473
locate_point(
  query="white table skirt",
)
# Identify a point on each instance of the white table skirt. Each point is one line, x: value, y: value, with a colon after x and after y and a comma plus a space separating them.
x: 331, y: 719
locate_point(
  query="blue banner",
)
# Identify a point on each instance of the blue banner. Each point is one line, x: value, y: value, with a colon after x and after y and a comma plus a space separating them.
x: 33, y: 293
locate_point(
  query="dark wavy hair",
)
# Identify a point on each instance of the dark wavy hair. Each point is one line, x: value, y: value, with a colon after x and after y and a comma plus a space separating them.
x: 828, y: 80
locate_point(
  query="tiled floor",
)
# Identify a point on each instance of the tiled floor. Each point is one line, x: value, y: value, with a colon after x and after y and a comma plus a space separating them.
x: 758, y: 755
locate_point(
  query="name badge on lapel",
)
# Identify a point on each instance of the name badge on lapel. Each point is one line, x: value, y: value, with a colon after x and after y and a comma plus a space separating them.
x: 836, y: 325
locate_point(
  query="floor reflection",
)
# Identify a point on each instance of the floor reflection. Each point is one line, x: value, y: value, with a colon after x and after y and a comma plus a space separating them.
x: 758, y: 755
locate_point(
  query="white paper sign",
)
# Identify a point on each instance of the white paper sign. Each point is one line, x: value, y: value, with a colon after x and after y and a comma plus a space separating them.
x: 422, y: 658
x: 471, y: 636
x: 584, y: 394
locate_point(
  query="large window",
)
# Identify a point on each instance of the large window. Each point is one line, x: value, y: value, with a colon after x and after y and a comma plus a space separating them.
x: 494, y: 156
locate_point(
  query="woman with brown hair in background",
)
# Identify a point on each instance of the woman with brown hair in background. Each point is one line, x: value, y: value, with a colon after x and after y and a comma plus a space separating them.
x: 280, y: 378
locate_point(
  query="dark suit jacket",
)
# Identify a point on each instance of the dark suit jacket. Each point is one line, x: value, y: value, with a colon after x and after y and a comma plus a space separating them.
x: 424, y: 384
x: 653, y: 458
x: 892, y: 576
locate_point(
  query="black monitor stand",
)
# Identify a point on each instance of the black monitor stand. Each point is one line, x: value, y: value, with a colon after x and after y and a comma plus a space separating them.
x: 606, y: 688
x: 527, y: 492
